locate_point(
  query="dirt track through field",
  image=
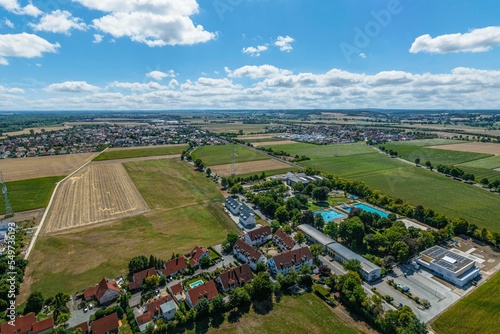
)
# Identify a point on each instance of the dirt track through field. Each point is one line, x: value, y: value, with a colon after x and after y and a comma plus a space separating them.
x: 97, y: 193
x: 249, y: 167
x: 488, y: 148
x: 31, y: 168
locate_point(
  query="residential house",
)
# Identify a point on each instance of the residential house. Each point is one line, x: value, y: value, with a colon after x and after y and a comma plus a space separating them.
x: 178, y: 292
x: 234, y: 277
x: 197, y: 254
x: 207, y: 290
x: 105, y: 292
x: 247, y: 254
x: 233, y: 205
x: 162, y: 307
x: 139, y: 278
x: 247, y: 217
x: 43, y: 326
x: 172, y: 267
x: 284, y: 262
x: 258, y: 236
x: 27, y: 324
x: 84, y: 326
x: 106, y: 325
x: 283, y: 241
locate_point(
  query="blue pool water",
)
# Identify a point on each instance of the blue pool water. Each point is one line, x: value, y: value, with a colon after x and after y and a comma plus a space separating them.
x: 330, y: 215
x: 195, y: 284
x: 368, y: 208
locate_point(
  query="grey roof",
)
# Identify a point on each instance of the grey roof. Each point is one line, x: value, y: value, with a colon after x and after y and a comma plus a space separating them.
x: 245, y: 209
x: 345, y: 252
x: 167, y: 307
x: 447, y: 259
x: 315, y: 234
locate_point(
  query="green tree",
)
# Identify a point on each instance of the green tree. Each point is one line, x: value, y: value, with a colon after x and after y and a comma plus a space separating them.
x: 306, y: 269
x: 316, y: 250
x: 230, y: 241
x: 484, y: 181
x: 299, y: 237
x: 275, y: 225
x: 138, y: 263
x: 320, y: 194
x: 208, y: 171
x: 261, y: 267
x: 353, y: 265
x: 152, y: 282
x: 297, y: 186
x: 401, y: 251
x: 319, y: 222
x: 332, y: 230
x: 262, y: 287
x: 307, y: 217
x: 34, y: 303
x: 62, y: 318
x: 205, y: 262
x: 239, y: 297
x: 417, y: 161
x: 428, y: 164
x: 202, y: 307
x: 352, y: 231
x: 224, y: 182
x: 217, y: 305
x: 281, y: 214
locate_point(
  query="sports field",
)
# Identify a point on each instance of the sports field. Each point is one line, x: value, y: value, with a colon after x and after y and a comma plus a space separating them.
x: 401, y: 180
x: 478, y: 312
x: 222, y: 154
x: 300, y: 314
x: 187, y: 211
x: 30, y: 194
x: 138, y: 152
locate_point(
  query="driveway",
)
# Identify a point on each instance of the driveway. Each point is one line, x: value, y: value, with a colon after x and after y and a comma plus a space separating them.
x: 78, y: 316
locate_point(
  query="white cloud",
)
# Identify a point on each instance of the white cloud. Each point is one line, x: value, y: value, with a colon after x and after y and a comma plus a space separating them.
x: 59, y: 22
x: 72, y: 87
x: 24, y: 45
x: 173, y: 83
x: 152, y: 22
x: 4, y: 61
x: 362, y: 55
x: 14, y: 7
x: 97, y: 38
x: 254, y: 72
x: 11, y: 90
x: 9, y: 23
x: 136, y: 86
x: 159, y: 75
x: 254, y: 51
x: 284, y: 43
x: 477, y: 40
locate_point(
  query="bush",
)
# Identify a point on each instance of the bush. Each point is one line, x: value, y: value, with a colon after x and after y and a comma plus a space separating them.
x: 321, y: 291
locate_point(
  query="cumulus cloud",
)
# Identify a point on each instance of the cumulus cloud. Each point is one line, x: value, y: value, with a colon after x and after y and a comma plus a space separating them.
x: 72, y: 87
x: 477, y: 40
x: 9, y: 23
x: 159, y: 75
x: 24, y: 45
x: 255, y: 72
x: 14, y: 7
x: 97, y: 38
x: 136, y: 86
x: 284, y: 43
x: 11, y: 90
x: 59, y: 22
x: 362, y: 55
x: 152, y: 22
x: 254, y: 51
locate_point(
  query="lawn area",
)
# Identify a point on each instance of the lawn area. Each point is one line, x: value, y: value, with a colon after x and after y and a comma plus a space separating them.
x: 182, y: 217
x: 478, y: 312
x: 300, y: 314
x: 140, y: 152
x: 401, y: 180
x: 222, y: 154
x: 30, y: 194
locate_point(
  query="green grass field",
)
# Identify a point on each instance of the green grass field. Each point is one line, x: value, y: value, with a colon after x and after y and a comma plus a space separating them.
x: 483, y: 168
x: 300, y: 314
x: 182, y: 217
x: 30, y: 194
x: 222, y: 154
x: 401, y: 180
x: 478, y: 312
x: 142, y: 152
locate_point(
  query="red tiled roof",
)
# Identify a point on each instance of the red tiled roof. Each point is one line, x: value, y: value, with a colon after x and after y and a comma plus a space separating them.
x: 197, y: 252
x: 105, y: 324
x: 236, y: 276
x: 138, y: 278
x: 284, y: 239
x: 105, y: 285
x: 84, y: 326
x: 260, y: 233
x: 207, y: 290
x: 250, y: 253
x: 22, y: 325
x: 43, y: 325
x: 176, y: 289
x: 291, y: 257
x: 174, y: 266
x: 153, y: 309
x: 90, y: 292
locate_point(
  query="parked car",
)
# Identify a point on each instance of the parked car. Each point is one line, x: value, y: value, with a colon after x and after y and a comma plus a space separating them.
x: 85, y: 309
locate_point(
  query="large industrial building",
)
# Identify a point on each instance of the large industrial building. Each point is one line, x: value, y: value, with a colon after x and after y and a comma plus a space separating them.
x: 340, y: 253
x: 449, y: 265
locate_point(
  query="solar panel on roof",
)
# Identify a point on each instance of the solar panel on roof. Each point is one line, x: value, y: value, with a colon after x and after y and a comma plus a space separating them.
x: 438, y: 252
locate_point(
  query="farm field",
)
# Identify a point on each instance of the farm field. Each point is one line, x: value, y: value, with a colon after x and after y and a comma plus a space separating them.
x: 234, y: 127
x: 300, y: 314
x: 259, y: 137
x: 37, y: 167
x: 36, y: 130
x: 222, y: 154
x: 138, y: 152
x: 30, y: 194
x: 478, y: 312
x: 182, y: 218
x: 398, y: 179
x: 487, y: 148
x: 278, y: 141
x: 251, y: 167
x: 96, y: 193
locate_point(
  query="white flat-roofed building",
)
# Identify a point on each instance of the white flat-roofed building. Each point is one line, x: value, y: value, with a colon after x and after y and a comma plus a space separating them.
x: 315, y: 236
x: 449, y: 265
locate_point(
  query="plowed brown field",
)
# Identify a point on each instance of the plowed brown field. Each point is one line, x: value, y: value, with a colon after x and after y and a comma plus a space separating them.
x: 96, y: 193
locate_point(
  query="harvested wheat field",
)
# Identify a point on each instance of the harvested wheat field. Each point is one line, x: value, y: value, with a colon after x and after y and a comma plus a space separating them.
x: 36, y: 167
x: 96, y: 193
x: 261, y: 136
x: 269, y: 143
x: 488, y: 148
x: 249, y: 167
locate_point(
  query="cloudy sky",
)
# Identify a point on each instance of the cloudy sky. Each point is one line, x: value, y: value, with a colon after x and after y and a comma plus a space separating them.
x: 249, y: 54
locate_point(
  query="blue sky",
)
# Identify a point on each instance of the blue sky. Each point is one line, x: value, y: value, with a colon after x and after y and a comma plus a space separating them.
x: 246, y: 54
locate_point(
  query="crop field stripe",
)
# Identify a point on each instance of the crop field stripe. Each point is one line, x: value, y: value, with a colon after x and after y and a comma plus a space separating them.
x: 140, y: 152
x: 222, y: 154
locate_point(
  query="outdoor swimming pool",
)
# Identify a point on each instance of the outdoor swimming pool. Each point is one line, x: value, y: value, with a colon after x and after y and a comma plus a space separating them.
x: 195, y: 284
x: 330, y: 215
x: 368, y: 208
